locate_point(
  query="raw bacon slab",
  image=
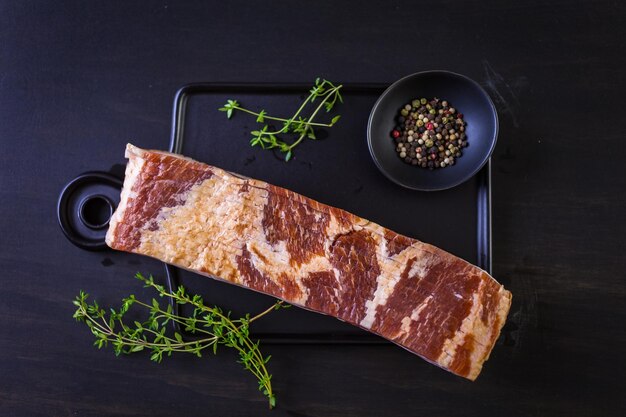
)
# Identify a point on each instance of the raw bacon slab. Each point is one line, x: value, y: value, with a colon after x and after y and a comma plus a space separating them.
x: 272, y: 240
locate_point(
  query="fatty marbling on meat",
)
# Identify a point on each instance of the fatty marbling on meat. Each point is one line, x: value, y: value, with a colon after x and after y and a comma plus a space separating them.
x: 275, y: 241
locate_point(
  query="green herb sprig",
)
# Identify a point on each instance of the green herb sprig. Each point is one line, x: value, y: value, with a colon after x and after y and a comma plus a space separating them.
x: 303, y: 127
x: 212, y: 326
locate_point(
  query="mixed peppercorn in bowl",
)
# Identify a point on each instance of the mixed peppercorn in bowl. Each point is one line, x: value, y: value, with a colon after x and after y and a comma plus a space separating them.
x: 429, y: 133
x: 429, y: 121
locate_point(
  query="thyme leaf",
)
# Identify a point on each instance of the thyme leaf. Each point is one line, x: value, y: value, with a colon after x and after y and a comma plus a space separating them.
x: 210, y: 324
x: 297, y: 126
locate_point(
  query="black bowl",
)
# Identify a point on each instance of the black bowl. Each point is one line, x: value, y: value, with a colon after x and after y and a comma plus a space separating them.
x: 466, y: 96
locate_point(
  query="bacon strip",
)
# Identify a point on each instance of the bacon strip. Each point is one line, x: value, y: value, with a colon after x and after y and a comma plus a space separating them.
x: 272, y: 240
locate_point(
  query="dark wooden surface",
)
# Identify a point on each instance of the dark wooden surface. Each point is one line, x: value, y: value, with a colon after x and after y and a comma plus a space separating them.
x: 77, y: 82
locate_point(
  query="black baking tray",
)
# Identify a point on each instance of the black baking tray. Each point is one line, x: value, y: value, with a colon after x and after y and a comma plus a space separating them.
x: 336, y: 169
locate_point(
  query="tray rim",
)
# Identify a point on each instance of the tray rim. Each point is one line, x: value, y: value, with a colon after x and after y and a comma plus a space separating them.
x: 484, y: 208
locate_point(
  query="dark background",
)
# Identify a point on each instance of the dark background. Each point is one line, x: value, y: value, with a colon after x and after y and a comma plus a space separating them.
x: 78, y: 81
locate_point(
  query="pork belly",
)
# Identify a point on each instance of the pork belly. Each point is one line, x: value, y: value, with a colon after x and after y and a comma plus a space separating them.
x: 275, y: 241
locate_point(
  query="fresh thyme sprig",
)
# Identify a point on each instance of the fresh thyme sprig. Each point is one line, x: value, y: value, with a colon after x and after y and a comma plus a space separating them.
x: 212, y: 326
x: 303, y: 127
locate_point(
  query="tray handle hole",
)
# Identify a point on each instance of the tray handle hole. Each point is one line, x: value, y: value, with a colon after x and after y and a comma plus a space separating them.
x: 95, y: 211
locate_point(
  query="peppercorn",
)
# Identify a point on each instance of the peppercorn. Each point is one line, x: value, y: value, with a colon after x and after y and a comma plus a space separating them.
x: 427, y: 133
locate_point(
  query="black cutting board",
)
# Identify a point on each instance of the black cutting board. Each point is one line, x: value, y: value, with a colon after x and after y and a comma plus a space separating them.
x: 337, y: 170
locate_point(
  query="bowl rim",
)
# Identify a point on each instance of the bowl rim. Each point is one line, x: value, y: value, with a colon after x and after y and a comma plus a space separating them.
x: 463, y: 179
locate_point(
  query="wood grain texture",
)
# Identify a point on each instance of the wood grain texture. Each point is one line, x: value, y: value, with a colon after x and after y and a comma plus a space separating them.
x: 77, y: 83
